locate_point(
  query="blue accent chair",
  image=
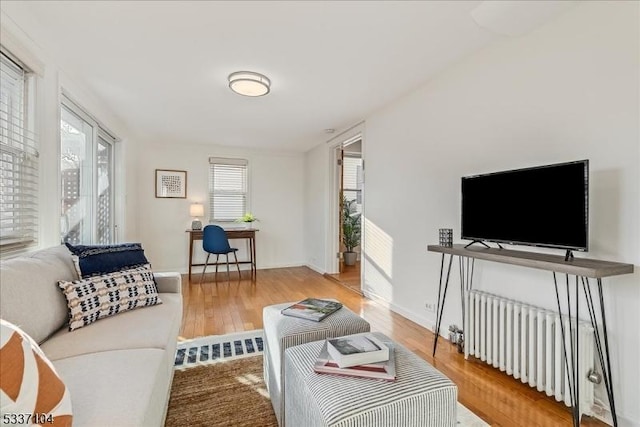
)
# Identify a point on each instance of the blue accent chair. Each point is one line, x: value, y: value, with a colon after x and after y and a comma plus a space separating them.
x: 214, y: 241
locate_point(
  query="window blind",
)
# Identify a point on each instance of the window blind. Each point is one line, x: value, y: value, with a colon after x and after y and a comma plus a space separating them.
x: 351, y: 172
x: 227, y: 189
x: 18, y: 161
x: 352, y: 179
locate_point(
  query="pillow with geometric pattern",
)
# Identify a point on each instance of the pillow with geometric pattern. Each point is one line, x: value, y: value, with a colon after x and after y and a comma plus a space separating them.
x: 32, y: 391
x: 94, y: 260
x: 102, y: 296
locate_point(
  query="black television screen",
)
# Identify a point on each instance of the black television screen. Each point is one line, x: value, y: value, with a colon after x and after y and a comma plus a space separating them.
x: 541, y: 206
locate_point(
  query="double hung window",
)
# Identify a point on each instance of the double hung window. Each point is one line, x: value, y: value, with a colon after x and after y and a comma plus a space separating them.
x: 18, y: 157
x: 228, y: 189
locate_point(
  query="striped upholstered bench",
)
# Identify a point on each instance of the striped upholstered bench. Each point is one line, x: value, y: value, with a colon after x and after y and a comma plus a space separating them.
x: 282, y: 332
x: 421, y: 396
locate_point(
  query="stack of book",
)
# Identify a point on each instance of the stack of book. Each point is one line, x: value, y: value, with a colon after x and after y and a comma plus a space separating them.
x: 312, y: 309
x: 359, y: 355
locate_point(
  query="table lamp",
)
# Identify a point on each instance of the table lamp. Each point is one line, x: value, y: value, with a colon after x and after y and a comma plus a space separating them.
x: 196, y: 210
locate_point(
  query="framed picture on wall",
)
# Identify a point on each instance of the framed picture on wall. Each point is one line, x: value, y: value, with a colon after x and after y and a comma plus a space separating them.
x: 171, y: 184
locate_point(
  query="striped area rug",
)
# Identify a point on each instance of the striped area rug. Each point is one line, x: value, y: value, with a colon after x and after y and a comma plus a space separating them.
x: 218, y: 348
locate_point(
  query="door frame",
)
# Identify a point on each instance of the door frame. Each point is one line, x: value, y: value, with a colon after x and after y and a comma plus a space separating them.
x: 98, y: 132
x: 333, y: 229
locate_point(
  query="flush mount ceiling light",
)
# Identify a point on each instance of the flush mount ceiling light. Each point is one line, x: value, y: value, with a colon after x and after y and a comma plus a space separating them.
x: 248, y: 83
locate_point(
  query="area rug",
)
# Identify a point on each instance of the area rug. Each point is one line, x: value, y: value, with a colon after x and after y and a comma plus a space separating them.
x: 229, y: 390
x: 218, y: 348
x: 221, y: 394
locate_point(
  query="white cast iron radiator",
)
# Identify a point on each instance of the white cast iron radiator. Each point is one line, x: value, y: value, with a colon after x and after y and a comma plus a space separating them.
x: 526, y: 342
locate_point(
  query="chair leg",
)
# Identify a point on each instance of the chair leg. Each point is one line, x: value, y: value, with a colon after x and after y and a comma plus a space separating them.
x: 216, y: 275
x: 237, y: 265
x: 228, y: 275
x: 205, y: 268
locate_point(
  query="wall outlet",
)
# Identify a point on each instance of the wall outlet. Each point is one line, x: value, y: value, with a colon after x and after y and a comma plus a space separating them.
x: 430, y: 306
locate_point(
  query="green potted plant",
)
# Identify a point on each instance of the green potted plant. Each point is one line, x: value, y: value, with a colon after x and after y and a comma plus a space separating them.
x: 247, y: 219
x: 351, y: 230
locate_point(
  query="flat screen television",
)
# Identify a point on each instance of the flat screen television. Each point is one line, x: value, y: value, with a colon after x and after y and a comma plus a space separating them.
x: 546, y: 206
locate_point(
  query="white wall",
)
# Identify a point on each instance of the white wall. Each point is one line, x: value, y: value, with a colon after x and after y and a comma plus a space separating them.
x: 276, y: 198
x: 567, y: 91
x: 276, y: 179
x: 321, y: 209
x: 316, y: 194
x: 20, y: 36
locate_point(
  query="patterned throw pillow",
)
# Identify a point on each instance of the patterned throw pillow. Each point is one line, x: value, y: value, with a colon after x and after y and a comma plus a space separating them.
x: 102, y: 259
x: 96, y: 297
x: 32, y: 391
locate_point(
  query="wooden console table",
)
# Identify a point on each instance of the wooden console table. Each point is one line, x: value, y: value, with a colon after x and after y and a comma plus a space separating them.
x: 232, y: 233
x: 583, y: 269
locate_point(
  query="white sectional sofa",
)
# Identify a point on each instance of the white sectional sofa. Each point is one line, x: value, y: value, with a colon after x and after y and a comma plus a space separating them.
x: 119, y: 369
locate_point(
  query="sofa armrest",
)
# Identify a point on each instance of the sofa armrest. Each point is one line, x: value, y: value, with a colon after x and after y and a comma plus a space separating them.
x: 169, y: 282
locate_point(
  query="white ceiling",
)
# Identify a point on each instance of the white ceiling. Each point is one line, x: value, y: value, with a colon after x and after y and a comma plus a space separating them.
x: 162, y: 66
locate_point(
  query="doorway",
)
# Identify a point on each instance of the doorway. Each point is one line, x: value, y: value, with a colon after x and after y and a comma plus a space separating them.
x: 350, y: 192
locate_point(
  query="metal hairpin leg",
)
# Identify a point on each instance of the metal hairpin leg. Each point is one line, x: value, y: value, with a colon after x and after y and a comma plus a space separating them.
x: 204, y: 268
x: 441, y: 299
x: 602, y: 341
x: 573, y: 357
x: 237, y: 265
x: 215, y: 277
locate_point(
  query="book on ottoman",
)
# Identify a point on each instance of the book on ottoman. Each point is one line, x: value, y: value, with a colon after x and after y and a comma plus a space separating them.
x: 357, y: 349
x: 385, y: 370
x: 312, y: 309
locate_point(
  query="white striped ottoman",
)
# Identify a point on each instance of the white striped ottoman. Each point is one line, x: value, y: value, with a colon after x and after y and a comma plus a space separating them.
x: 421, y: 396
x: 282, y: 332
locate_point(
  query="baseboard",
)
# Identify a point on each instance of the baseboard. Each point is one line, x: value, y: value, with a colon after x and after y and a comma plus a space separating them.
x: 626, y: 422
x: 198, y: 270
x: 332, y: 278
x: 316, y: 268
x: 420, y: 320
x: 289, y: 265
x: 603, y: 413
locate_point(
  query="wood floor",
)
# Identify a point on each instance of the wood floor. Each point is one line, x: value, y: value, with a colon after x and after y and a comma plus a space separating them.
x: 236, y: 305
x: 350, y: 277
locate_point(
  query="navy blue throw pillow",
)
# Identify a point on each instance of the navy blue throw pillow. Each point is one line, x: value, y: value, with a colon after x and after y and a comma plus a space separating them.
x: 103, y: 259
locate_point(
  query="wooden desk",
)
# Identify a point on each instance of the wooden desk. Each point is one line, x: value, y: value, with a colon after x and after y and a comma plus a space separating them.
x: 232, y: 234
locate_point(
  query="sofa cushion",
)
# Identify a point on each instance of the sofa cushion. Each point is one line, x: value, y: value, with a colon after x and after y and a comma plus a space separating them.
x: 117, y: 388
x: 95, y: 260
x: 29, y: 295
x: 30, y: 383
x: 153, y: 327
x: 102, y: 296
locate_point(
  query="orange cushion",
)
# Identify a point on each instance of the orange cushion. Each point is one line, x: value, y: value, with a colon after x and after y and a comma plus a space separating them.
x: 29, y: 384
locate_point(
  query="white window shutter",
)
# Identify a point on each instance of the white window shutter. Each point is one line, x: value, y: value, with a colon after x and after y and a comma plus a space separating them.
x: 18, y: 162
x: 227, y: 189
